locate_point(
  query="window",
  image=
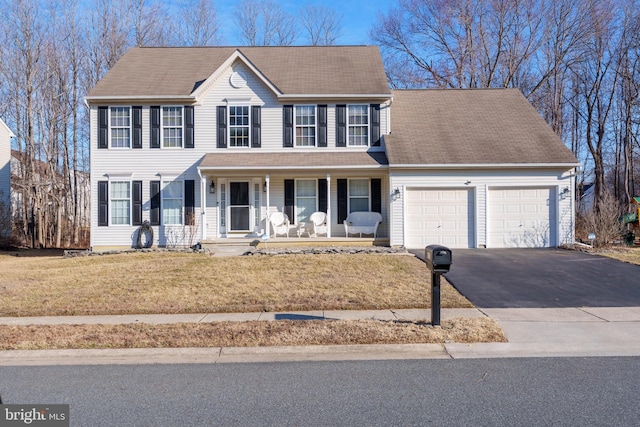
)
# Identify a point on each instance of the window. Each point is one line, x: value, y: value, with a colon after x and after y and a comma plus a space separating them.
x: 305, y: 124
x: 358, y: 125
x: 239, y: 126
x: 358, y: 195
x: 172, y: 202
x: 171, y: 127
x: 120, y: 127
x: 120, y: 202
x: 306, y: 197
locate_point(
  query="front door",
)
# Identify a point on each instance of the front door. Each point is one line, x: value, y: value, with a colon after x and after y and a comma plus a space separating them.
x: 239, y: 206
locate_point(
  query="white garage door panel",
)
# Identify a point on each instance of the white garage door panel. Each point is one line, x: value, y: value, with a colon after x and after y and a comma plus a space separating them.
x: 521, y: 217
x: 439, y: 217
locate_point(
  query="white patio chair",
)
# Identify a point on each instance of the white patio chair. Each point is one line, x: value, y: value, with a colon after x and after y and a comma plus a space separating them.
x: 319, y: 221
x: 279, y: 224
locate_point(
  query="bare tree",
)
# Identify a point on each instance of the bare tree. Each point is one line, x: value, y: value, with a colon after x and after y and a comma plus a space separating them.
x: 151, y: 24
x: 321, y: 24
x: 264, y: 23
x: 199, y: 24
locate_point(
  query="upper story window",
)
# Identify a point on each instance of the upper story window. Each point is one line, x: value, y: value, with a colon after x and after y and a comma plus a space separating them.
x: 172, y: 127
x: 239, y: 126
x: 120, y: 202
x: 120, y: 129
x: 305, y: 125
x: 358, y: 125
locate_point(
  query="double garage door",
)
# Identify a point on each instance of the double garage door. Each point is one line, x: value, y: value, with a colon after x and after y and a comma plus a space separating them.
x: 516, y: 217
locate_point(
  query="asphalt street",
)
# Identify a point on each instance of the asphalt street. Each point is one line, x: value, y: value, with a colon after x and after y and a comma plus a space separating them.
x: 542, y: 278
x: 496, y: 392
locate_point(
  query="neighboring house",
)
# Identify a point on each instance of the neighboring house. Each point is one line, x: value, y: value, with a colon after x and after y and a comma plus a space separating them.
x: 5, y: 180
x: 206, y: 143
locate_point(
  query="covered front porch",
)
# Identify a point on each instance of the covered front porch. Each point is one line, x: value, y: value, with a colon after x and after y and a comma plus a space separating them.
x: 244, y: 193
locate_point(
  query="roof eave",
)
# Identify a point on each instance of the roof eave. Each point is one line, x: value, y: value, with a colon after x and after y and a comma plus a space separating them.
x: 486, y: 166
x: 139, y: 98
x: 288, y: 167
x: 319, y: 96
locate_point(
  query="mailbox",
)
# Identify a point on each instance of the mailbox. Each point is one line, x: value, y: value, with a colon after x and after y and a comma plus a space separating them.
x: 438, y: 258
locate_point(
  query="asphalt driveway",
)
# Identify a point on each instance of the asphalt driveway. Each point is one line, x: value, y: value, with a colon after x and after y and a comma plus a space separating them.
x: 539, y: 278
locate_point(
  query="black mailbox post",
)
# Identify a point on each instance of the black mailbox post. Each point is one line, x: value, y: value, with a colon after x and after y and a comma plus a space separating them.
x: 438, y: 259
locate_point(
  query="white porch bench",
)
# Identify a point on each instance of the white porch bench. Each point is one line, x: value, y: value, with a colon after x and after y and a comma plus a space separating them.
x: 362, y: 223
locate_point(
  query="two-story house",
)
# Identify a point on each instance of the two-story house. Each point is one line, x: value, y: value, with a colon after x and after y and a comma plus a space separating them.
x: 209, y: 143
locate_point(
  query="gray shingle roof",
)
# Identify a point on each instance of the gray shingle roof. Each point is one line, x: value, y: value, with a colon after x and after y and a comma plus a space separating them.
x: 176, y: 71
x: 458, y: 127
x: 291, y: 160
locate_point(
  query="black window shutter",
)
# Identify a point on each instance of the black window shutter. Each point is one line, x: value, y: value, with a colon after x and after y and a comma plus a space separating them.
x: 103, y: 127
x: 222, y: 126
x: 376, y: 195
x: 322, y: 195
x: 189, y: 137
x: 136, y: 112
x: 136, y: 217
x: 322, y: 125
x: 289, y: 199
x: 341, y: 127
x: 256, y: 126
x: 103, y: 203
x: 342, y: 200
x: 287, y: 123
x: 155, y: 126
x: 154, y: 214
x: 374, y: 113
x: 189, y: 202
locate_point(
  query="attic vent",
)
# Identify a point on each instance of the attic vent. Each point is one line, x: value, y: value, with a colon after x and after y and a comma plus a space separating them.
x: 238, y: 79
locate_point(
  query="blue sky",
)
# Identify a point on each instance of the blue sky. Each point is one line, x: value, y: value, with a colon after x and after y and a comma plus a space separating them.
x: 358, y: 16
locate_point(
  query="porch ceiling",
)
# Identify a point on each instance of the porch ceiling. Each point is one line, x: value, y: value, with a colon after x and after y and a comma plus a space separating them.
x: 293, y: 160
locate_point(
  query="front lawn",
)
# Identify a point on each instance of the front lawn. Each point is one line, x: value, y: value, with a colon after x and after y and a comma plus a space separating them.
x: 161, y: 282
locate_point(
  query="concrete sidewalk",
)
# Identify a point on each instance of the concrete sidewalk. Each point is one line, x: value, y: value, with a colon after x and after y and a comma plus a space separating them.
x: 532, y: 332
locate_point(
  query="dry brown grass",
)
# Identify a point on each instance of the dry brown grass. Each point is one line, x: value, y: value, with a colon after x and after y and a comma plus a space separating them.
x: 630, y: 255
x: 138, y: 283
x: 247, y: 334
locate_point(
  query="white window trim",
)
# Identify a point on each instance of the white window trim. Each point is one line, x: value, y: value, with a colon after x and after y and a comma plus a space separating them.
x: 349, y: 196
x: 162, y: 126
x: 162, y: 203
x: 296, y: 125
x: 368, y: 125
x: 120, y: 127
x: 315, y: 180
x: 241, y: 147
x: 111, y: 200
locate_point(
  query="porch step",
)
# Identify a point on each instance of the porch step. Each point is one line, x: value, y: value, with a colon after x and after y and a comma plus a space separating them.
x: 240, y: 246
x: 229, y: 247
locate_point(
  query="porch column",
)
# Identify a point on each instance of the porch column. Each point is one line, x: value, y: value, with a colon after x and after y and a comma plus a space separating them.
x: 203, y: 206
x: 267, y: 224
x: 328, y: 205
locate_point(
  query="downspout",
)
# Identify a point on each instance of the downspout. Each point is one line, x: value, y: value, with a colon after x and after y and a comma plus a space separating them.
x: 267, y: 222
x: 328, y: 205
